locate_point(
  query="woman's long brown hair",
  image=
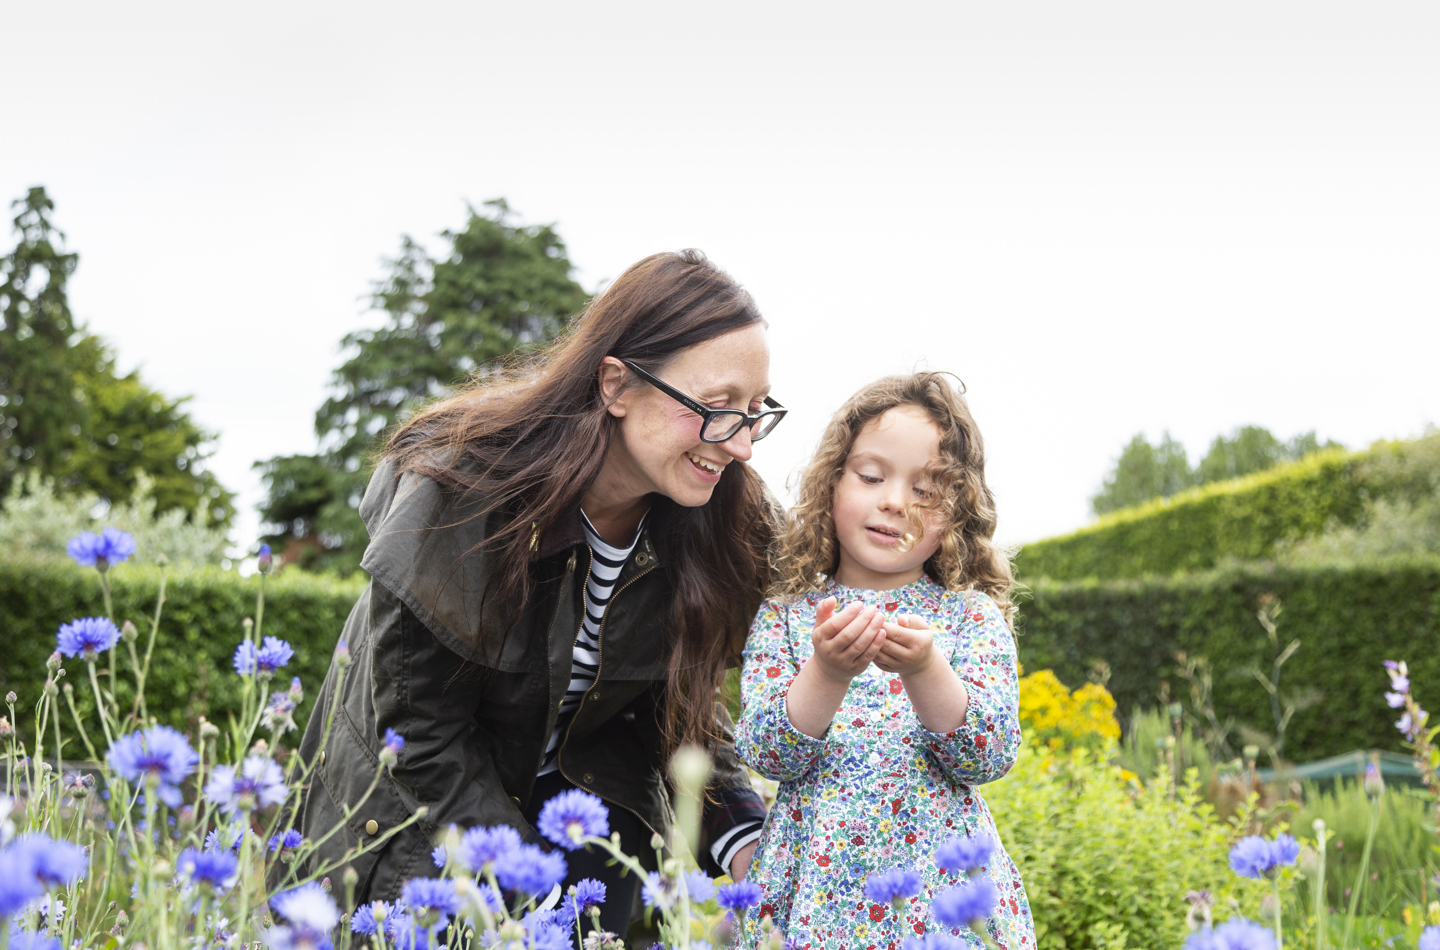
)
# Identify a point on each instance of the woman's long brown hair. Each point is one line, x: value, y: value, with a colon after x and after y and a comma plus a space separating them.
x: 531, y: 439
x: 967, y: 559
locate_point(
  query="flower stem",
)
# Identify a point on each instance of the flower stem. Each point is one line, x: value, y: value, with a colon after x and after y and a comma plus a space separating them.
x: 1275, y: 890
x: 1364, y: 868
x: 100, y: 702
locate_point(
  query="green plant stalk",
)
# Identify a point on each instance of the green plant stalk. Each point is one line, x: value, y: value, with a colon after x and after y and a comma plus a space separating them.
x: 109, y: 612
x: 1322, y: 922
x: 150, y: 646
x: 1279, y: 935
x: 79, y: 726
x: 100, y: 702
x: 307, y: 767
x: 1360, y: 875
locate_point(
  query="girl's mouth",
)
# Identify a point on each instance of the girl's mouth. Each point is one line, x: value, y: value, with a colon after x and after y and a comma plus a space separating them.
x: 707, y: 468
x: 883, y: 534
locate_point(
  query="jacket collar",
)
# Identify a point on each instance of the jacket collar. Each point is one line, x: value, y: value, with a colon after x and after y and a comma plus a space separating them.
x: 569, y: 530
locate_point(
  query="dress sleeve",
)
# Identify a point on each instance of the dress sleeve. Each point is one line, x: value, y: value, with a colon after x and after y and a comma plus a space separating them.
x: 983, y: 748
x: 765, y: 737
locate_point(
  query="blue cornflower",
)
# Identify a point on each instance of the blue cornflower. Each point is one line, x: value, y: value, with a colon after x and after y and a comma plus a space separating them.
x: 427, y: 895
x: 158, y: 753
x: 966, y: 903
x: 584, y: 896
x: 297, y: 937
x: 482, y: 846
x: 308, y: 906
x: 264, y: 561
x: 32, y: 940
x: 572, y: 815
x: 407, y: 933
x: 893, y: 886
x: 368, y: 917
x: 1253, y: 856
x: 1429, y: 938
x: 279, y: 713
x: 660, y: 891
x: 227, y: 838
x: 742, y: 895
x: 87, y: 637
x: 48, y: 862
x: 287, y: 841
x: 259, y: 784
x: 439, y: 856
x: 216, y: 868
x: 964, y: 854
x: 935, y: 941
x: 1235, y: 934
x: 699, y: 887
x: 390, y: 751
x: 111, y: 546
x: 529, y: 870
x: 272, y: 654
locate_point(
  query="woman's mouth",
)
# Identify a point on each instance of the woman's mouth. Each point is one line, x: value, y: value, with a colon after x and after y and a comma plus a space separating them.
x: 704, y: 465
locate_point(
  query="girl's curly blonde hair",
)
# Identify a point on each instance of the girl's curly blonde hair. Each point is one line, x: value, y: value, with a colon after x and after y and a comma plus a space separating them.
x: 967, y: 558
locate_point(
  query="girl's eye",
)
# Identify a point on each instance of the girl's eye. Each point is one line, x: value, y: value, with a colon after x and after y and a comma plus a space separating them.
x: 869, y: 479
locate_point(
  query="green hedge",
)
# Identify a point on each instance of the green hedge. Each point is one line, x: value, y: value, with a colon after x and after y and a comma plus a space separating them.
x: 191, y: 673
x: 1241, y: 519
x: 1348, y: 619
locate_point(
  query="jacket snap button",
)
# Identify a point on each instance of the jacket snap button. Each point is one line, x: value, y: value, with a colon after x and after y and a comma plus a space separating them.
x: 517, y: 801
x: 642, y: 559
x: 589, y: 779
x: 372, y: 826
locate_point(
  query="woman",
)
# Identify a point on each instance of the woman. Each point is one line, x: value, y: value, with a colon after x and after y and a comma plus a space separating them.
x: 563, y: 561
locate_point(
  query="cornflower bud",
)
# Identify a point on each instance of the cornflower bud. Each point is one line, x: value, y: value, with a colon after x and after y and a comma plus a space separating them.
x: 264, y: 562
x: 53, y: 663
x: 351, y: 877
x: 128, y: 633
x: 11, y: 698
x: 208, y: 730
x: 6, y: 730
x: 342, y: 654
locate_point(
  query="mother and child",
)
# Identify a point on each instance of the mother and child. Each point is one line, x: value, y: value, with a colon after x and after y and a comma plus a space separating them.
x: 566, y: 557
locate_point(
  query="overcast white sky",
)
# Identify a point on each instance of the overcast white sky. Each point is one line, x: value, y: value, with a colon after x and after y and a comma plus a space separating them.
x: 1107, y: 217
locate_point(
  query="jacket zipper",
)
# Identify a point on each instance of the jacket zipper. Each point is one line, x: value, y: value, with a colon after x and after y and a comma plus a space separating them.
x: 599, y: 666
x: 569, y: 570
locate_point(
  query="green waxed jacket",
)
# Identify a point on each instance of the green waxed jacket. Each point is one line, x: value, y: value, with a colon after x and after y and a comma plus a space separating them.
x: 475, y: 693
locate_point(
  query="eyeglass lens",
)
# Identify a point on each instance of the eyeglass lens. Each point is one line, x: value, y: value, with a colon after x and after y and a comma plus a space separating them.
x: 724, y: 425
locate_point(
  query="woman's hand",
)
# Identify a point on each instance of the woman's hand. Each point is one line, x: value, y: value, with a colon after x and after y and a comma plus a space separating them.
x: 847, y: 641
x: 909, y: 646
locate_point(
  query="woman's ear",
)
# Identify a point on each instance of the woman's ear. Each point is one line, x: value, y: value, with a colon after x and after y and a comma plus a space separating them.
x: 612, y: 374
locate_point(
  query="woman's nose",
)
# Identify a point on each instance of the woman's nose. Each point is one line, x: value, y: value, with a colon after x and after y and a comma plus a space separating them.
x: 738, y: 446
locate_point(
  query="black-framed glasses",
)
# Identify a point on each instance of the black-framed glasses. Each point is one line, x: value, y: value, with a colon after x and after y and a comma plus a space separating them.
x: 718, y: 425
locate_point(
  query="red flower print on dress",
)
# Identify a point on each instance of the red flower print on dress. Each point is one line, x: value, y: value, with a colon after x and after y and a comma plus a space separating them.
x: 896, y: 686
x: 773, y: 672
x: 823, y: 860
x: 877, y: 913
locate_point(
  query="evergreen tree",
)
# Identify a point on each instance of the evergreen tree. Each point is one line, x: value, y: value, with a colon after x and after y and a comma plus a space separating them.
x: 1144, y: 471
x: 1253, y: 449
x: 68, y: 415
x: 503, y: 287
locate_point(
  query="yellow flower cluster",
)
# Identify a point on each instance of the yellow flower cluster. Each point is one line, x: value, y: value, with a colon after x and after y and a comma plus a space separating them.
x: 1060, y: 719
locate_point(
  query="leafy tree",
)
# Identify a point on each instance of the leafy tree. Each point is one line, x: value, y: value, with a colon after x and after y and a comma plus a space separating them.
x: 1144, y: 471
x: 504, y: 287
x: 68, y: 415
x: 1254, y: 449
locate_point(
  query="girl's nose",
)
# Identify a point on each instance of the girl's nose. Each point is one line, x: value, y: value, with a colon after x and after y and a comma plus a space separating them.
x: 738, y: 446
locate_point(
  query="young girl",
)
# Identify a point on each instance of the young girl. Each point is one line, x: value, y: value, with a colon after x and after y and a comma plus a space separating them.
x: 879, y: 681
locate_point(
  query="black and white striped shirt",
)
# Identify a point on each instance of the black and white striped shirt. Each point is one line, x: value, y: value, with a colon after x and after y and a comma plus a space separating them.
x: 608, y: 560
x: 605, y: 567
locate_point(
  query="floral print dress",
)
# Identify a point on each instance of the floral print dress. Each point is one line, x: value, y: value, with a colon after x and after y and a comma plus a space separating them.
x: 878, y: 790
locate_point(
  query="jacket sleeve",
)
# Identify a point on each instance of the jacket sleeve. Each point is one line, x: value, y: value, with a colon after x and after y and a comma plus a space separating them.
x: 765, y: 737
x: 732, y: 809
x: 418, y: 688
x: 983, y: 748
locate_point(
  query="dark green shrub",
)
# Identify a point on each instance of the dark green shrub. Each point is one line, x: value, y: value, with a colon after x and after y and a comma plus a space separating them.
x: 191, y: 673
x: 1348, y: 620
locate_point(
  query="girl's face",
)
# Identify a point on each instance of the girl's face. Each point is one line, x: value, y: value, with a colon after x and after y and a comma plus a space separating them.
x: 883, y: 475
x: 657, y: 445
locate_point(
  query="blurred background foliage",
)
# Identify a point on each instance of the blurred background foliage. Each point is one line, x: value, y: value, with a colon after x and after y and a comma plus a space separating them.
x: 501, y: 291
x: 67, y: 414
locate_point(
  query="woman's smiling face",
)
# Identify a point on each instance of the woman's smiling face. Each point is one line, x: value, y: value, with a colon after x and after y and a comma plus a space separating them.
x: 884, y: 474
x: 657, y: 447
